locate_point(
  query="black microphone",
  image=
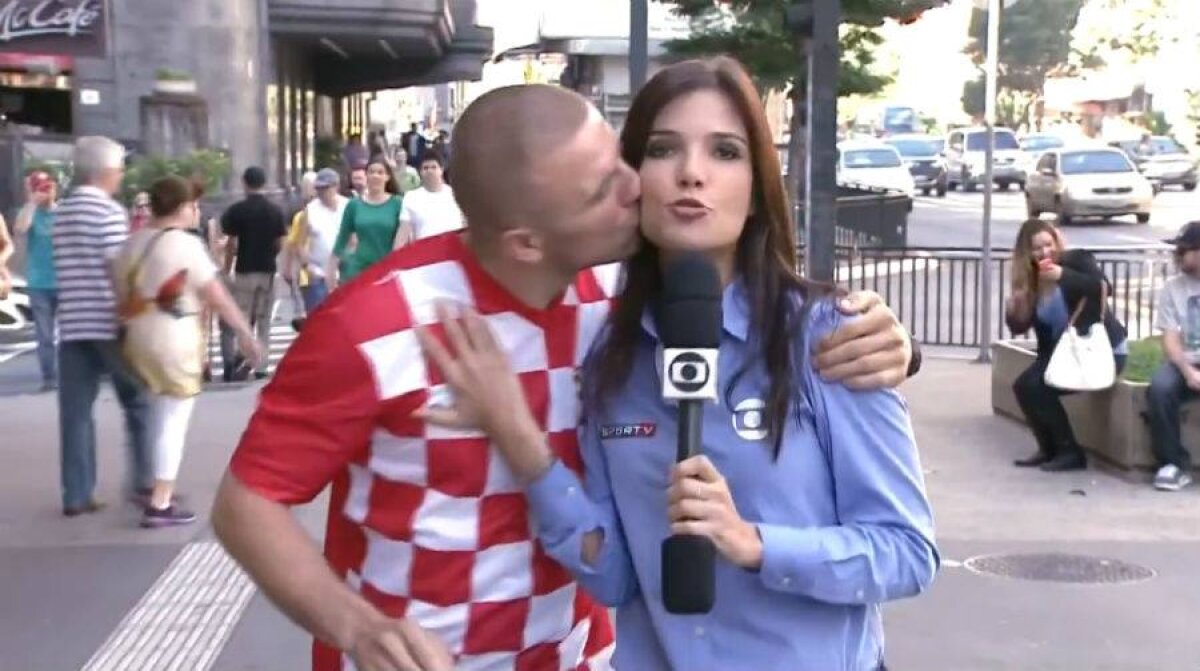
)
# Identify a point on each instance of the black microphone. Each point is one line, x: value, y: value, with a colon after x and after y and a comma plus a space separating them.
x: 688, y: 319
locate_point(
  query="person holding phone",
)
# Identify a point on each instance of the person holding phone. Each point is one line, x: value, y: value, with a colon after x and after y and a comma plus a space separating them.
x: 35, y: 221
x: 1049, y: 282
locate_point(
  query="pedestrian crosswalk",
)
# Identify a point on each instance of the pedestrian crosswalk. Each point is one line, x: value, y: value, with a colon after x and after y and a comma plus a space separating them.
x: 282, y: 336
x: 10, y: 351
x: 956, y: 201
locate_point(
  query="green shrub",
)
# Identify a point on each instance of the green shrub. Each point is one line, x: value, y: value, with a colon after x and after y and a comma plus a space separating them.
x: 327, y: 152
x: 1145, y: 356
x: 210, y: 167
x: 172, y: 75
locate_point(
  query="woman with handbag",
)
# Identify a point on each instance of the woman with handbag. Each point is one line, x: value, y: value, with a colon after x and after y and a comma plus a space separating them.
x: 164, y: 278
x: 1053, y: 290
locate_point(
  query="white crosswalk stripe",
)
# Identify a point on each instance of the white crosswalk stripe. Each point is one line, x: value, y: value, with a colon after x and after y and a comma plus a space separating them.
x: 282, y: 337
x: 10, y: 351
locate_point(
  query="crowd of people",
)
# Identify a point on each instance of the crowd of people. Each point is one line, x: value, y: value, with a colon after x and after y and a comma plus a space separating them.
x: 131, y: 295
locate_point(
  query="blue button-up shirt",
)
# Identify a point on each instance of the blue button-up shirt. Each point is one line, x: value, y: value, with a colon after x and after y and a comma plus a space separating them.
x: 842, y: 512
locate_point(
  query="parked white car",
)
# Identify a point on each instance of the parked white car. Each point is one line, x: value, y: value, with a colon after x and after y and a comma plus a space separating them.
x: 875, y: 165
x: 1097, y: 183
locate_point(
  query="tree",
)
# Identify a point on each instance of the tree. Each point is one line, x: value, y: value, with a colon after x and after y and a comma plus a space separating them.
x: 1032, y: 47
x: 1012, y: 107
x: 755, y: 32
x: 1125, y: 30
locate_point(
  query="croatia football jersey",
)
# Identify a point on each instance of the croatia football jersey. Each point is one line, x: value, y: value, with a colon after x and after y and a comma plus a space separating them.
x: 424, y: 522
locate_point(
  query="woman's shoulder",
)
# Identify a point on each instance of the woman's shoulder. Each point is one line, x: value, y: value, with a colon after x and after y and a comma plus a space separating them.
x: 1080, y: 260
x: 819, y: 313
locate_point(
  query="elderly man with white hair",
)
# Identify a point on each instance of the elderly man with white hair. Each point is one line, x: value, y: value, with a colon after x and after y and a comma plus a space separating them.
x: 89, y: 230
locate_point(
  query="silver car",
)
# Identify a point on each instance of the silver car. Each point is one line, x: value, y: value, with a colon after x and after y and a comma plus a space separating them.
x: 1079, y: 183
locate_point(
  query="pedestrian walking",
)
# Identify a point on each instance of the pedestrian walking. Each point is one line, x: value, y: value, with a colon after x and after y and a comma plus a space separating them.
x: 35, y: 221
x: 139, y: 214
x: 89, y: 229
x: 431, y: 210
x: 322, y: 220
x: 373, y: 221
x: 164, y: 277
x: 6, y: 254
x: 256, y: 229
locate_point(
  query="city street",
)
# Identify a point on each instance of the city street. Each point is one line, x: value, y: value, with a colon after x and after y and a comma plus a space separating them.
x: 344, y: 129
x: 956, y: 221
x: 95, y: 593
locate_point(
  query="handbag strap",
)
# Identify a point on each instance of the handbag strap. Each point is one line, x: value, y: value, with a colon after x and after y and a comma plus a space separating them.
x: 1083, y: 302
x: 135, y: 271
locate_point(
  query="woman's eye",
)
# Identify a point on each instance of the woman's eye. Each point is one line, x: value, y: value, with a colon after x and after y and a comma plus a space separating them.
x: 728, y: 152
x: 657, y: 150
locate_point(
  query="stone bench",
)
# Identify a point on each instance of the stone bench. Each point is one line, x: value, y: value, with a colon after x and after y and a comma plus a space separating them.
x: 1110, y: 424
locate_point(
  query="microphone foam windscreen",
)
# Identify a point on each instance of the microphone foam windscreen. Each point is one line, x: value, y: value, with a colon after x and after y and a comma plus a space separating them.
x: 688, y: 574
x: 688, y: 314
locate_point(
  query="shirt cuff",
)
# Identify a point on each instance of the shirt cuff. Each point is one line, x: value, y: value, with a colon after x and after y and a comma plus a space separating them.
x: 558, y: 500
x: 788, y: 554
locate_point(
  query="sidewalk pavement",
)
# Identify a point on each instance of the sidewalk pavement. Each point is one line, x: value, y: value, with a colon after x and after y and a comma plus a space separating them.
x: 84, y: 588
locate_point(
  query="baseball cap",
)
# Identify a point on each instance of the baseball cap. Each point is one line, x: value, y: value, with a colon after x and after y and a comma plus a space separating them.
x: 1188, y: 236
x: 327, y: 177
x: 40, y: 181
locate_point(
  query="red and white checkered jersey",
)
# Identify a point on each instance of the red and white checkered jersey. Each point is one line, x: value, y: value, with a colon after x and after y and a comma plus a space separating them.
x: 428, y: 523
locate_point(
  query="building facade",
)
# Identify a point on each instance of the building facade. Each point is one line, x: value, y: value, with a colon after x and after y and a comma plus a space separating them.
x: 258, y: 79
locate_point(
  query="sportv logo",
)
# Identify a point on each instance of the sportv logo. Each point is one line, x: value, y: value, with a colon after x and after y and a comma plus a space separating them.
x: 642, y: 430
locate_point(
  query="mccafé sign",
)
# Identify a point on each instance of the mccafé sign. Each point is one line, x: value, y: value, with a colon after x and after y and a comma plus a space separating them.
x: 70, y: 27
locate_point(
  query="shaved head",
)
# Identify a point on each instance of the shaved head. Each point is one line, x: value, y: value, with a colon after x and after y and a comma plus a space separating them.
x: 499, y: 142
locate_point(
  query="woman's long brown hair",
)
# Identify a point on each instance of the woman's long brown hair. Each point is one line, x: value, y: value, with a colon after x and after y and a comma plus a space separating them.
x: 766, y: 251
x: 1022, y: 255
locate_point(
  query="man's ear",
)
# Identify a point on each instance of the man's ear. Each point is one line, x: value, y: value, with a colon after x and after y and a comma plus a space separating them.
x: 523, y: 245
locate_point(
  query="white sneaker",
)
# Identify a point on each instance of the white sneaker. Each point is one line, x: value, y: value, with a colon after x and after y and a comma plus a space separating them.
x: 1171, y: 478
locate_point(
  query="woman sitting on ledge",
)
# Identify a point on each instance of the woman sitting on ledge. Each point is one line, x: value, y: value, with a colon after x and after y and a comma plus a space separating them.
x: 1048, y: 284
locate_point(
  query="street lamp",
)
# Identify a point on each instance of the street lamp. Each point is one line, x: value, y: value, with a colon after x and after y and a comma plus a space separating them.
x: 638, y: 44
x: 815, y: 23
x: 991, y: 66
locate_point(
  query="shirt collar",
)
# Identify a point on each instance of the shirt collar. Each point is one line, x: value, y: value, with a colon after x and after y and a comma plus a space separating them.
x: 735, y: 312
x: 92, y: 191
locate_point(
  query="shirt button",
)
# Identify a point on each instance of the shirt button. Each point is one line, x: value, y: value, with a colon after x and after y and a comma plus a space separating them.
x: 859, y: 595
x: 785, y: 581
x: 699, y: 631
x: 571, y: 490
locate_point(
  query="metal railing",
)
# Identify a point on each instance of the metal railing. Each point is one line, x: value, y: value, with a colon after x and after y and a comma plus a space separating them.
x: 935, y: 291
x: 866, y: 217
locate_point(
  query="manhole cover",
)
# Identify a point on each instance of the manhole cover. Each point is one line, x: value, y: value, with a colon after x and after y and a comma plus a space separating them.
x: 1054, y: 567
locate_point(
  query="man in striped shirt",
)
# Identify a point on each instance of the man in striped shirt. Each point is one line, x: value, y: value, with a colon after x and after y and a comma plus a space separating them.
x: 89, y: 230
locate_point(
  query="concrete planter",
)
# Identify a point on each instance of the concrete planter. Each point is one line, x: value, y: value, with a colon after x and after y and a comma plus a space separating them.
x: 1110, y: 424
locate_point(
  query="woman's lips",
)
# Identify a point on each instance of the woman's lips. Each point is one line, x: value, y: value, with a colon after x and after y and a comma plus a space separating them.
x: 688, y: 211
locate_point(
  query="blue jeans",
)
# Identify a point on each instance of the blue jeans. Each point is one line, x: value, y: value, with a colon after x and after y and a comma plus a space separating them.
x: 81, y: 364
x: 314, y: 294
x: 44, y: 303
x: 1168, y: 390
